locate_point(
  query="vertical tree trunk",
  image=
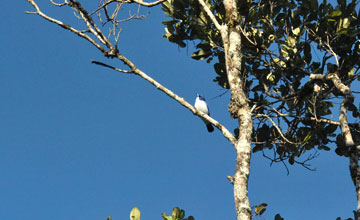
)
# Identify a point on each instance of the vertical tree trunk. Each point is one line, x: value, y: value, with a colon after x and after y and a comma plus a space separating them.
x: 355, y: 176
x: 354, y: 153
x: 238, y: 108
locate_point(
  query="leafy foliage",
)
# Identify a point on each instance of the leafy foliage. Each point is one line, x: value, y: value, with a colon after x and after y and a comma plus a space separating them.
x: 177, y: 214
x: 278, y: 217
x: 258, y: 210
x: 284, y: 42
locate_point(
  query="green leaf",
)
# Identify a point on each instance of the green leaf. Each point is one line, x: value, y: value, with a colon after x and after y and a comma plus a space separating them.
x: 307, y: 53
x: 201, y: 54
x: 291, y: 41
x: 219, y: 68
x: 270, y: 77
x: 331, y: 128
x: 345, y: 23
x: 171, y: 22
x: 308, y: 137
x: 351, y: 72
x: 175, y: 213
x: 165, y: 217
x: 334, y: 14
x: 314, y: 4
x: 296, y: 31
x: 278, y: 217
x: 260, y: 209
x: 342, y: 31
x: 135, y: 214
x: 181, y: 214
x: 257, y: 148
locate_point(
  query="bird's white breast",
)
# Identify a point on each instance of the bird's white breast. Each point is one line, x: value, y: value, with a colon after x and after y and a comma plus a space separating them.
x: 201, y: 106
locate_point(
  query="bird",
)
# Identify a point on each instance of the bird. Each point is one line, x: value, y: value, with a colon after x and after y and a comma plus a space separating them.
x: 200, y: 105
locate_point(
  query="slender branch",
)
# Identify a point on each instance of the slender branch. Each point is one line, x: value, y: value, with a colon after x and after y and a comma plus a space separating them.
x: 59, y: 4
x: 111, y: 67
x: 148, y: 4
x: 246, y: 36
x: 277, y: 128
x: 61, y: 24
x: 345, y: 129
x: 168, y: 92
x: 211, y: 15
x: 94, y: 29
x: 140, y: 2
x: 310, y: 157
x: 324, y: 120
x: 330, y: 50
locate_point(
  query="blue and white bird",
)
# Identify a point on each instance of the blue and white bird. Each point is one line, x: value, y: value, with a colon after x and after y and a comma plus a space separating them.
x: 200, y: 105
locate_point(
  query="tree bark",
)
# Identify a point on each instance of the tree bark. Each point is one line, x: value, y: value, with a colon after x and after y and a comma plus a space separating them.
x: 238, y: 108
x: 355, y: 176
x: 349, y: 141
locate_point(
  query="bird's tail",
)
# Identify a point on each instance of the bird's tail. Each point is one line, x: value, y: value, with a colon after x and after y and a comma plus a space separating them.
x: 209, y: 127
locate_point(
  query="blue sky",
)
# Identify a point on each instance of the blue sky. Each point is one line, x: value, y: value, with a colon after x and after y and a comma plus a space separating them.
x: 78, y: 141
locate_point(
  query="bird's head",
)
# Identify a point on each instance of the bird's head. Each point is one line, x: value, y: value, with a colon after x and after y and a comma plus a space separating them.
x: 200, y: 97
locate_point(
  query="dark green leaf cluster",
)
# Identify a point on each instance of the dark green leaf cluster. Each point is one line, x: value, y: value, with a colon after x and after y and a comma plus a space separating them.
x: 177, y: 214
x: 190, y: 23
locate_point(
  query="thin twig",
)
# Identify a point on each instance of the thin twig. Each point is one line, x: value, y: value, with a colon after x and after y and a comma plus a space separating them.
x: 59, y: 4
x: 211, y: 15
x: 111, y: 67
x: 277, y: 128
x: 68, y: 27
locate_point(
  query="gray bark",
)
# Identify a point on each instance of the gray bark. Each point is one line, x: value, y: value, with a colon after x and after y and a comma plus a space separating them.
x: 238, y: 108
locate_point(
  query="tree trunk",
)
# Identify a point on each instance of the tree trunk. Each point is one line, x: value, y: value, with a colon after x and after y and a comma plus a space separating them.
x: 354, y: 171
x: 354, y: 152
x: 238, y: 108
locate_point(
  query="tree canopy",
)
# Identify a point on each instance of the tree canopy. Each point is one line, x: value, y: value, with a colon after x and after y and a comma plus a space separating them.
x: 288, y: 47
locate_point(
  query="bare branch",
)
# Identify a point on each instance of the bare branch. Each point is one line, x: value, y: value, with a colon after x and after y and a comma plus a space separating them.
x: 91, y: 24
x: 277, y: 128
x: 324, y: 120
x: 330, y: 50
x: 345, y: 129
x: 140, y: 2
x: 246, y: 35
x: 133, y: 69
x: 339, y: 85
x: 326, y: 45
x: 345, y: 90
x: 59, y: 4
x: 168, y: 92
x: 68, y: 27
x: 305, y: 164
x: 211, y: 15
x: 148, y: 4
x: 111, y: 67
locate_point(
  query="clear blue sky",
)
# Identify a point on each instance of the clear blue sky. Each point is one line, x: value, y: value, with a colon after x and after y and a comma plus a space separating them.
x: 78, y: 141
